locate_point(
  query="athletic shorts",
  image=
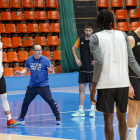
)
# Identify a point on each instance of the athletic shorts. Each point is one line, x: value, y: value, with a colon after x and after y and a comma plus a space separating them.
x: 107, y: 97
x: 85, y: 77
x: 2, y: 85
x: 135, y: 82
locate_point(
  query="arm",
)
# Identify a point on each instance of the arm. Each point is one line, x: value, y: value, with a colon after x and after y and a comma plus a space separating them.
x: 79, y: 63
x: 23, y: 72
x: 51, y: 68
x: 95, y: 50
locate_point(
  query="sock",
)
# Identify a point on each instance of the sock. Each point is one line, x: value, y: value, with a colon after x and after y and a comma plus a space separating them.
x: 8, y: 117
x: 92, y: 106
x: 132, y: 133
x: 81, y: 107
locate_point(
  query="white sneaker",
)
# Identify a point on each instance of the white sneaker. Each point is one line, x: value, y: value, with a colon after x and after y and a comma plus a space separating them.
x: 78, y: 114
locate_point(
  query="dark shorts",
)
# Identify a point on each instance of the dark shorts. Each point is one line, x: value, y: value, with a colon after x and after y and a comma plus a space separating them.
x: 135, y: 82
x: 107, y: 97
x: 2, y: 85
x: 85, y: 77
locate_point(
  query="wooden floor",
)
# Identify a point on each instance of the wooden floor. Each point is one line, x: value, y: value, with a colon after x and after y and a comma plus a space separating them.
x: 19, y: 137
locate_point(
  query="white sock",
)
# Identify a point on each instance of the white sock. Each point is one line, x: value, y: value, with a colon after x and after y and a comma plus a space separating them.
x: 81, y: 107
x: 8, y: 117
x: 132, y: 133
x: 136, y: 127
x: 92, y: 106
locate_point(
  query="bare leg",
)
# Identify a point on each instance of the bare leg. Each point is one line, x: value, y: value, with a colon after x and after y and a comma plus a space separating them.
x: 82, y: 87
x: 108, y: 119
x: 122, y: 125
x: 90, y: 88
x: 138, y: 113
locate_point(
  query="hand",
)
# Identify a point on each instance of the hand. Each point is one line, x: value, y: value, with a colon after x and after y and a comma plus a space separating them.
x: 18, y: 73
x: 51, y: 68
x: 93, y: 95
x: 93, y: 62
x: 131, y: 93
x: 78, y: 62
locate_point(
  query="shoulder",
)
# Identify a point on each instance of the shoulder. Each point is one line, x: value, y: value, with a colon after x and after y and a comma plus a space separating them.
x: 45, y: 58
x: 30, y: 58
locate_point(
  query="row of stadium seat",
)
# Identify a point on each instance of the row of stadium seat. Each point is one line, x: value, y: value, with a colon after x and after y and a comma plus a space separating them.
x: 28, y: 4
x: 23, y: 55
x: 8, y: 72
x: 28, y: 41
x: 124, y: 26
x: 122, y: 13
x: 29, y: 15
x: 32, y: 27
x: 116, y: 3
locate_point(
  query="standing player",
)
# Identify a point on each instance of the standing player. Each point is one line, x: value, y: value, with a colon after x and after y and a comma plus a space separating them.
x: 112, y: 54
x: 3, y: 94
x: 134, y: 103
x: 39, y: 66
x: 86, y: 69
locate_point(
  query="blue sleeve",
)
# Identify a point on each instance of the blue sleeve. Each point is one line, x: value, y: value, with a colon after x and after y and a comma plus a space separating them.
x: 49, y: 62
x: 27, y: 64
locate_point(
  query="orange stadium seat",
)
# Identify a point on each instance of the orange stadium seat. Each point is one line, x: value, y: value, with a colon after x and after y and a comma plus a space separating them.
x: 12, y: 56
x: 121, y: 14
x: 131, y: 2
x: 27, y: 41
x: 31, y: 53
x: 41, y: 15
x: 41, y: 40
x: 123, y: 26
x: 18, y: 69
x: 30, y: 15
x: 6, y: 16
x: 58, y: 68
x: 33, y: 27
x: 16, y: 41
x: 15, y: 4
x: 47, y: 54
x: 22, y: 28
x: 53, y: 15
x: 4, y: 57
x: 134, y: 13
x: 22, y: 55
x: 53, y: 40
x: 52, y: 3
x: 134, y: 25
x: 7, y: 43
x: 103, y: 3
x: 11, y: 28
x: 2, y: 28
x: 56, y: 55
x: 55, y: 27
x: 8, y: 72
x: 114, y: 25
x: 117, y: 3
x: 27, y: 3
x: 39, y: 3
x: 17, y: 15
x: 4, y: 4
x: 44, y: 27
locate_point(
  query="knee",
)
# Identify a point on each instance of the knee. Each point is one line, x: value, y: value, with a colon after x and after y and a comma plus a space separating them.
x: 133, y: 109
x: 3, y: 97
x: 81, y: 88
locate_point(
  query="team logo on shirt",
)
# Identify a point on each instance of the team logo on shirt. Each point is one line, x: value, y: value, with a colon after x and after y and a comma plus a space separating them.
x: 35, y: 66
x: 82, y: 42
x: 138, y: 43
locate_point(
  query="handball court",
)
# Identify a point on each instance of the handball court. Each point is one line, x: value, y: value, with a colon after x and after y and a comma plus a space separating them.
x: 40, y: 121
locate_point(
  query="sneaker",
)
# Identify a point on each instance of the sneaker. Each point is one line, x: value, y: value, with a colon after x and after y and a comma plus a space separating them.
x: 58, y: 122
x: 12, y: 123
x: 92, y: 113
x: 21, y: 120
x: 78, y: 114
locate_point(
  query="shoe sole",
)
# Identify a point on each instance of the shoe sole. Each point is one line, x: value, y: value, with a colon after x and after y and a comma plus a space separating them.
x: 78, y: 116
x: 15, y: 124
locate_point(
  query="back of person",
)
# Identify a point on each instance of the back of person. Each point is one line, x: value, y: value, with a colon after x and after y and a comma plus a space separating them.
x: 115, y: 59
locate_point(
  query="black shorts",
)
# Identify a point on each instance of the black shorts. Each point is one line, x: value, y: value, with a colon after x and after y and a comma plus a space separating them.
x: 85, y: 77
x: 2, y: 85
x: 135, y: 82
x: 107, y: 97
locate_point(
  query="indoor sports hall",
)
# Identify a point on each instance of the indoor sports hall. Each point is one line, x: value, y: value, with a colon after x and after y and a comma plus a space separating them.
x: 55, y: 25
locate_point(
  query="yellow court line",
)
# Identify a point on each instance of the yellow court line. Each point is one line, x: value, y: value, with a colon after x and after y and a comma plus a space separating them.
x: 21, y: 137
